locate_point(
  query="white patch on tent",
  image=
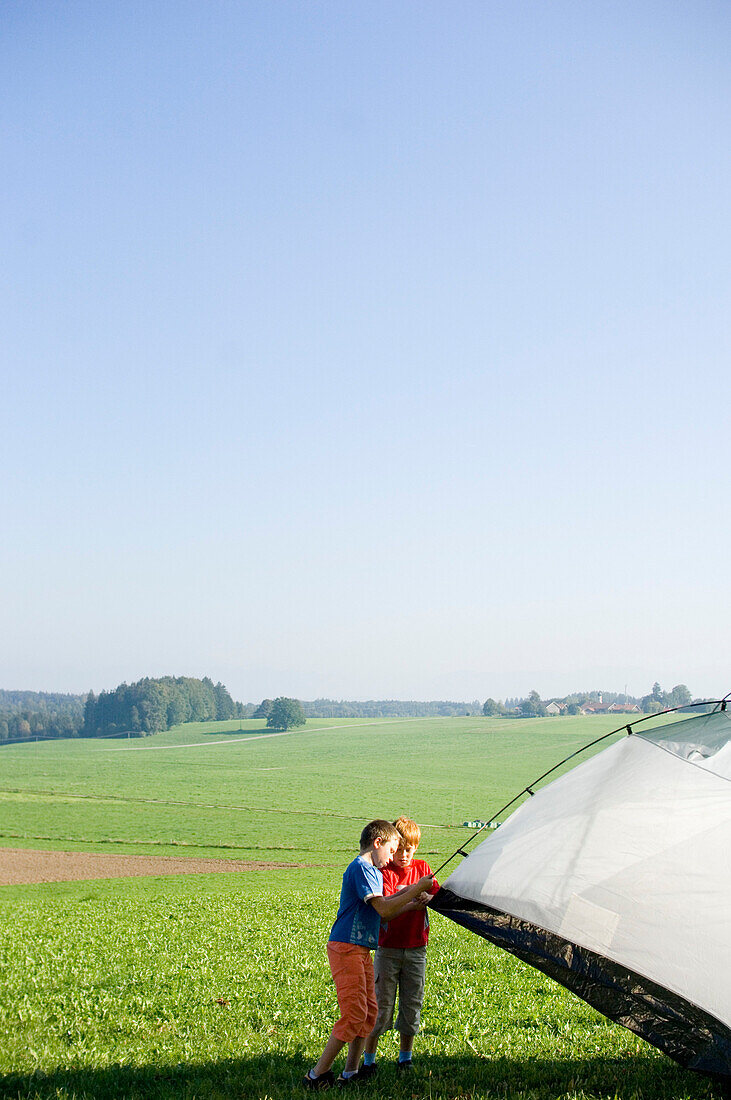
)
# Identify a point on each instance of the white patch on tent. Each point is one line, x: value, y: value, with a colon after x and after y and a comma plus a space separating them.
x: 719, y: 762
x: 586, y: 922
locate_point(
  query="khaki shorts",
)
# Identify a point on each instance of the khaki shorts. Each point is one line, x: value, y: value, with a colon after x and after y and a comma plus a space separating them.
x: 401, y: 971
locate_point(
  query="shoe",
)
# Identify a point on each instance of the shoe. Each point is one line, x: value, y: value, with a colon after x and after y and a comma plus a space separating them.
x: 322, y: 1081
x: 347, y: 1082
x: 405, y: 1067
x: 368, y: 1071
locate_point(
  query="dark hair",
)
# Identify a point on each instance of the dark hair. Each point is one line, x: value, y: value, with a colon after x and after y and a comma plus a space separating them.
x: 378, y: 830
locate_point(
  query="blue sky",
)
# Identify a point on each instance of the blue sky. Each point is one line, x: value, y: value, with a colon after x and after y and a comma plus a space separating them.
x: 365, y: 350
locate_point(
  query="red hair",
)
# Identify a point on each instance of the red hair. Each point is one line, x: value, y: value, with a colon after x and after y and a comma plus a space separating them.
x: 408, y: 830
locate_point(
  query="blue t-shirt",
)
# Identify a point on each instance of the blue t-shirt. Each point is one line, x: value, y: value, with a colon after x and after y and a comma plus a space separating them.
x: 357, y: 921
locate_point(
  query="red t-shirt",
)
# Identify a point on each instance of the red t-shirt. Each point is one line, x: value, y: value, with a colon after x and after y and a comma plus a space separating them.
x: 410, y: 929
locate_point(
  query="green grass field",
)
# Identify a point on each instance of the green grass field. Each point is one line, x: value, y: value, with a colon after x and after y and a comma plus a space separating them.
x: 220, y: 790
x: 214, y: 986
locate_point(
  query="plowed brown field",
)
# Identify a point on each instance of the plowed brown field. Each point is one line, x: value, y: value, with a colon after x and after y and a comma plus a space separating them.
x: 25, y: 865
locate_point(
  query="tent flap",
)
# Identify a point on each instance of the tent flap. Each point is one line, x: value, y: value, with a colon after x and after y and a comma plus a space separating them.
x: 682, y: 1030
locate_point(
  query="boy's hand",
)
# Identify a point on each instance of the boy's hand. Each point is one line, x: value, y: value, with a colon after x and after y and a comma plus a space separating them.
x: 425, y: 883
x: 416, y: 903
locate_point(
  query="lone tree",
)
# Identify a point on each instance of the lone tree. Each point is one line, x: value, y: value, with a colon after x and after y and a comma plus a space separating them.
x: 286, y: 714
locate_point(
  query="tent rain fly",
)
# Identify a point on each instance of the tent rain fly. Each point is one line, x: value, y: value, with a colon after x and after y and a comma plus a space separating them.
x: 615, y: 880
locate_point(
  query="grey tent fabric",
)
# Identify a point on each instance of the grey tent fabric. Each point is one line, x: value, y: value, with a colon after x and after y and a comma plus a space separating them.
x: 616, y: 881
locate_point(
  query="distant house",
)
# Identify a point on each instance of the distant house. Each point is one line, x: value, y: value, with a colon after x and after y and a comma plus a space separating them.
x: 609, y: 708
x: 555, y: 708
x: 598, y: 707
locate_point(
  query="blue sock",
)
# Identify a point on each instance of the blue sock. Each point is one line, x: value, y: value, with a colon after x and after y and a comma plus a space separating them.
x: 404, y: 1056
x: 369, y: 1059
x: 348, y: 1073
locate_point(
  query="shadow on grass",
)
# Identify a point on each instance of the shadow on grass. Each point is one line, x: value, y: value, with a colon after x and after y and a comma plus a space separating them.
x: 245, y: 731
x: 467, y: 1076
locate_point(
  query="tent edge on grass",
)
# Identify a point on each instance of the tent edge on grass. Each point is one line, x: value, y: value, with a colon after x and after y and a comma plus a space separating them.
x: 547, y: 888
x: 692, y: 1037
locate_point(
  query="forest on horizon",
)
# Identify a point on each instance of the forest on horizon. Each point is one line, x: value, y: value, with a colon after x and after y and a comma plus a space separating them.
x: 152, y: 705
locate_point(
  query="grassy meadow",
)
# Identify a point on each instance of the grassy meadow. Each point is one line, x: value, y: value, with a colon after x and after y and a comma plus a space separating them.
x: 236, y: 789
x: 216, y: 985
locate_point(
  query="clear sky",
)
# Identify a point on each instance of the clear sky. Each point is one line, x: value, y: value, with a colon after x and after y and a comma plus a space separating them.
x: 366, y: 350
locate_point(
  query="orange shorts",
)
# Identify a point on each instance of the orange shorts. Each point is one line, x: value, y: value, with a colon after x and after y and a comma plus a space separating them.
x: 352, y: 971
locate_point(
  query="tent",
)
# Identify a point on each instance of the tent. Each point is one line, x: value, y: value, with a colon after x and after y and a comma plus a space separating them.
x: 615, y: 880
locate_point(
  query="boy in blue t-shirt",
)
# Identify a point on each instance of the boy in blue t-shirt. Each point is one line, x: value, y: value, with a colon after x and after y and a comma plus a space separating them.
x: 354, y: 934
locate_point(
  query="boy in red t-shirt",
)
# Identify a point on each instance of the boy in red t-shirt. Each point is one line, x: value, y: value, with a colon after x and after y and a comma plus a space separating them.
x: 400, y: 960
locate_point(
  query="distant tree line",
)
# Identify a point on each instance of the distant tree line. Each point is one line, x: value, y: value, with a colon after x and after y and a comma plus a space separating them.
x: 153, y: 705
x: 387, y: 708
x: 532, y: 706
x: 150, y: 706
x: 40, y: 714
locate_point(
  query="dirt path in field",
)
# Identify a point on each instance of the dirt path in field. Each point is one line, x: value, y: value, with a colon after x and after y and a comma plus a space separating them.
x: 26, y: 865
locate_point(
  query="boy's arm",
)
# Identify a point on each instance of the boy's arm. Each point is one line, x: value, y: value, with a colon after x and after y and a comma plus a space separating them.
x: 433, y: 890
x: 390, y: 907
